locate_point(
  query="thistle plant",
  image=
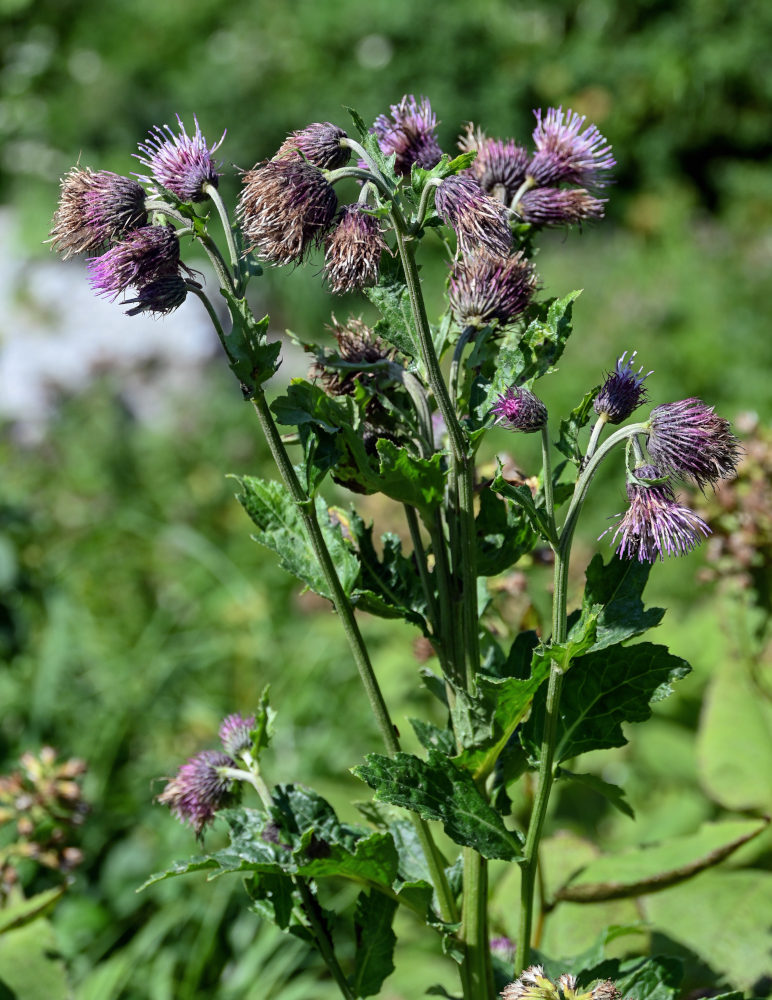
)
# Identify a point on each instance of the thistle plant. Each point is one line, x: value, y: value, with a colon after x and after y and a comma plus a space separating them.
x: 400, y: 406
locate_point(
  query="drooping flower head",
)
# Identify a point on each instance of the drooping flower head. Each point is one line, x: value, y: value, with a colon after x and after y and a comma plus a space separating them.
x: 200, y: 789
x: 145, y: 255
x: 480, y: 223
x: 485, y: 289
x: 689, y: 441
x: 622, y: 392
x: 549, y: 206
x: 353, y: 250
x: 357, y: 345
x: 95, y: 207
x: 285, y: 207
x: 499, y: 167
x: 567, y: 152
x: 234, y: 734
x: 318, y: 143
x: 183, y: 164
x: 159, y: 296
x: 518, y: 409
x: 655, y: 525
x: 410, y: 133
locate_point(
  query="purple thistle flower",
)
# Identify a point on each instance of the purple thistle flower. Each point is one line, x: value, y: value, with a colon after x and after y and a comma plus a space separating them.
x: 285, y: 207
x: 655, y: 525
x: 503, y: 948
x: 689, y: 441
x: 181, y: 163
x: 318, y: 143
x: 94, y: 208
x: 353, y: 250
x: 500, y: 165
x: 409, y: 134
x: 479, y: 221
x: 550, y: 206
x: 484, y: 289
x: 518, y: 409
x: 234, y: 733
x: 145, y: 255
x: 622, y: 392
x: 566, y: 154
x: 160, y: 296
x: 199, y: 789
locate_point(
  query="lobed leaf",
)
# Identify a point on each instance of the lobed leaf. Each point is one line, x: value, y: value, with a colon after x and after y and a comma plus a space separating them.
x: 568, y: 439
x: 618, y: 586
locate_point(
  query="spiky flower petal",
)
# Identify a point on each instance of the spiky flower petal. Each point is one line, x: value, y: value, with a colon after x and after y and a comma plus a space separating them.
x: 689, y: 441
x: 567, y: 152
x: 159, y: 296
x: 500, y: 165
x: 518, y: 409
x: 318, y: 143
x: 95, y: 207
x: 486, y: 289
x: 410, y: 133
x: 285, y: 207
x: 200, y: 789
x: 655, y: 525
x: 353, y: 250
x: 549, y: 206
x: 479, y: 221
x: 181, y: 163
x: 145, y: 255
x: 622, y: 392
x: 235, y: 732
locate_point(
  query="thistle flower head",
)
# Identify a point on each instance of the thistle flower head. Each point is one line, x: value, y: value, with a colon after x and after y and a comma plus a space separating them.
x: 622, y: 392
x: 689, y: 441
x: 479, y: 221
x: 410, y: 133
x: 145, y: 255
x: 503, y: 947
x: 181, y: 163
x: 486, y: 289
x: 95, y: 207
x: 518, y: 409
x: 499, y: 167
x: 357, y: 345
x: 159, y: 296
x: 655, y: 525
x: 534, y: 985
x: 235, y: 732
x: 200, y: 789
x: 567, y: 152
x: 549, y: 206
x: 285, y: 207
x: 318, y: 143
x: 353, y: 250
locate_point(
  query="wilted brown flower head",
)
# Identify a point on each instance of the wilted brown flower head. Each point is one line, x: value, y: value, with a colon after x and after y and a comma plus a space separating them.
x: 357, y: 345
x: 95, y: 207
x: 353, y: 250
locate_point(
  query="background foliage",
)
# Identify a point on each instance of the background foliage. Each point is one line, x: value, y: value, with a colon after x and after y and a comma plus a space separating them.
x: 134, y: 610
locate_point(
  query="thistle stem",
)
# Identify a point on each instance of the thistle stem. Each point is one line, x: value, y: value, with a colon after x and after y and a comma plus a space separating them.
x: 597, y: 430
x: 321, y: 938
x: 219, y: 204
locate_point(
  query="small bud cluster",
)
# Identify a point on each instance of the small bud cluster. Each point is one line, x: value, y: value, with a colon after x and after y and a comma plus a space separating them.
x: 533, y: 984
x: 202, y: 785
x: 43, y: 800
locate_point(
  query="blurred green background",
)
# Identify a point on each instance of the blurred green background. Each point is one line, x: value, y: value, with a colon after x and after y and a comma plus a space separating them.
x: 134, y: 610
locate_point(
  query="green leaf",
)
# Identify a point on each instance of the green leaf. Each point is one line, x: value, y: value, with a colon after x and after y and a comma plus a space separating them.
x: 657, y: 978
x: 644, y: 870
x: 431, y: 737
x: 273, y: 896
x: 375, y: 941
x: 503, y: 532
x: 613, y: 793
x: 618, y: 586
x: 419, y: 482
x: 252, y: 359
x: 723, y: 916
x: 30, y: 968
x: 445, y: 168
x: 546, y: 336
x: 17, y: 913
x: 601, y: 691
x: 263, y: 730
x: 568, y: 440
x: 521, y: 495
x: 580, y: 640
x: 390, y: 297
x: 281, y: 529
x: 437, y: 790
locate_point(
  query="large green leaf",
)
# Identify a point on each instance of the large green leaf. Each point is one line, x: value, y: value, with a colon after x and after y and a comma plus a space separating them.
x: 437, y: 790
x: 18, y: 912
x: 390, y: 297
x: 644, y: 870
x: 504, y: 534
x: 281, y: 529
x: 601, y: 691
x: 618, y: 586
x: 522, y: 497
x: 375, y: 941
x: 418, y: 482
x: 30, y: 968
x: 252, y: 359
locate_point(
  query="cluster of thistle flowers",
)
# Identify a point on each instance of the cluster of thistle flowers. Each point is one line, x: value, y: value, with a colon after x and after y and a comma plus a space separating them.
x: 532, y: 984
x: 43, y: 800
x: 206, y: 782
x: 686, y: 442
x: 106, y: 214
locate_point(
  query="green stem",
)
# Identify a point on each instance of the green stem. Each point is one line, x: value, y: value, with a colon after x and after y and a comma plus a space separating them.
x: 474, y: 927
x: 212, y: 250
x: 597, y: 430
x: 321, y: 938
x: 527, y: 184
x: 455, y: 365
x: 423, y: 570
x: 219, y: 204
x: 546, y: 473
x: 424, y: 204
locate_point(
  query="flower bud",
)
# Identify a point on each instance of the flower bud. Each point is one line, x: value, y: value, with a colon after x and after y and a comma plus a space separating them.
x: 199, y: 789
x: 235, y: 734
x: 566, y: 154
x: 550, y: 206
x: 622, y: 392
x: 319, y: 144
x: 145, y: 255
x: 486, y: 289
x: 499, y: 167
x: 518, y: 409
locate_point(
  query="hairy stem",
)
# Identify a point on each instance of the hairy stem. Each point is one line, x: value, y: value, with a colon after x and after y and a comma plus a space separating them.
x: 321, y: 937
x: 219, y: 204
